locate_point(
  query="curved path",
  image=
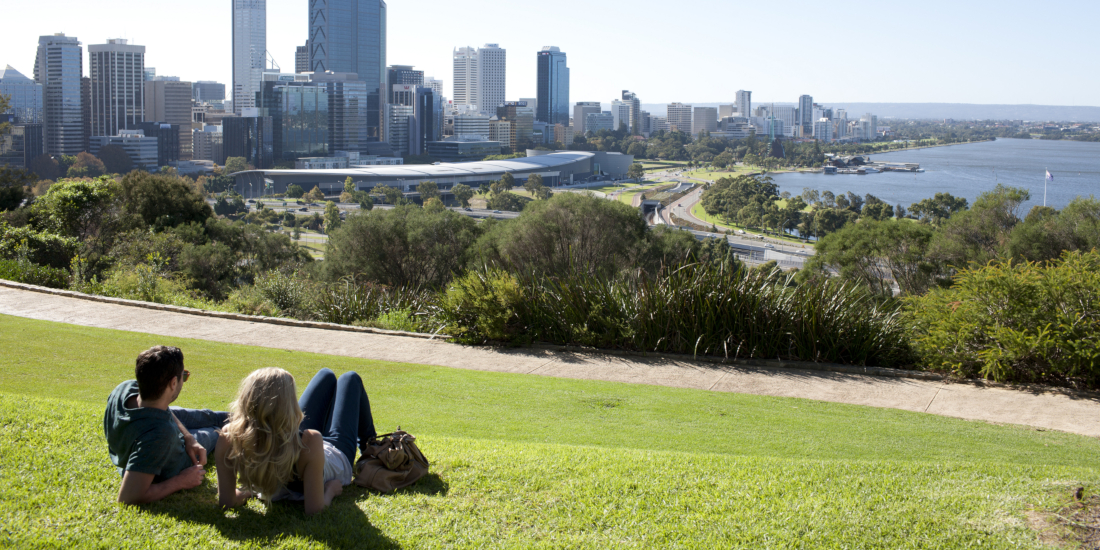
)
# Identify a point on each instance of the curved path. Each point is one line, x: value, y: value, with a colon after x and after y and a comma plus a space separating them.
x: 1050, y: 410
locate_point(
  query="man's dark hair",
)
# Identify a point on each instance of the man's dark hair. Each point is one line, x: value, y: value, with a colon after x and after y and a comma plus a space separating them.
x: 156, y: 367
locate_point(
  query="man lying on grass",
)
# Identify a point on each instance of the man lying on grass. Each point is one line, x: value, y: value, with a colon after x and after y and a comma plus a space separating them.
x: 159, y: 450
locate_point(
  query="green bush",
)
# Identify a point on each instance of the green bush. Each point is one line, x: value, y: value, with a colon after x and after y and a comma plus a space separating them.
x: 38, y: 247
x: 22, y: 271
x: 481, y: 306
x: 249, y: 300
x: 1015, y: 322
x: 289, y: 292
x: 698, y: 309
x: 348, y: 303
x: 397, y: 319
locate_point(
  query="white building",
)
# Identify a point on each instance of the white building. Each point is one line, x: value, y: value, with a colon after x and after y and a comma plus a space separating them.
x: 491, y: 78
x: 725, y: 111
x: 594, y: 122
x: 249, y: 51
x: 117, y: 73
x: 659, y: 124
x: 142, y: 150
x: 679, y: 118
x: 209, y: 143
x: 704, y: 119
x: 620, y: 113
x: 744, y: 102
x: 465, y: 76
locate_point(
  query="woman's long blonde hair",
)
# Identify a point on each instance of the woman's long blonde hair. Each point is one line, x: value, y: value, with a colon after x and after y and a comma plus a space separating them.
x: 263, y: 431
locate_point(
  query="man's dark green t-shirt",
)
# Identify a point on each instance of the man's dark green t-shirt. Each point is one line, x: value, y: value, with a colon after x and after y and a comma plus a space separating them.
x: 143, y: 439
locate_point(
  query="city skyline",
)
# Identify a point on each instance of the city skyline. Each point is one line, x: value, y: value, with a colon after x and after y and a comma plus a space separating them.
x: 923, y: 56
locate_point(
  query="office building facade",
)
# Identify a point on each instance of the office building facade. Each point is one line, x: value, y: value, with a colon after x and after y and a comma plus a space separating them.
x: 21, y: 145
x: 249, y: 51
x: 679, y: 118
x: 168, y: 142
x: 553, y: 86
x: 465, y: 76
x: 142, y: 149
x: 208, y: 91
x: 25, y: 96
x: 491, y: 73
x: 594, y: 122
x: 117, y: 73
x: 404, y: 75
x: 806, y: 115
x: 635, y: 115
x: 249, y: 137
x: 301, y: 59
x: 744, y: 103
x: 169, y: 102
x: 209, y: 144
x: 59, y: 67
x: 704, y: 119
x: 349, y: 36
x: 620, y: 113
x: 580, y: 115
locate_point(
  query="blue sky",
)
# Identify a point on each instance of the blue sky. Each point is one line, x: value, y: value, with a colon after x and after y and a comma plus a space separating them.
x: 961, y: 51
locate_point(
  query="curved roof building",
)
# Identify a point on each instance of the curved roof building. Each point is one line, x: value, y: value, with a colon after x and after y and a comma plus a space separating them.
x: 556, y: 169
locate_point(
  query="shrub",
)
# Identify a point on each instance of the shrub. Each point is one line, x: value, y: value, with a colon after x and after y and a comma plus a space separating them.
x: 249, y: 300
x: 22, y: 271
x: 287, y: 291
x: 37, y: 247
x: 1015, y: 322
x: 397, y: 319
x: 699, y: 309
x: 348, y: 303
x: 481, y: 306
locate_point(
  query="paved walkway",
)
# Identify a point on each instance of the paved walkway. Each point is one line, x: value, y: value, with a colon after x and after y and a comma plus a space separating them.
x: 1045, y: 410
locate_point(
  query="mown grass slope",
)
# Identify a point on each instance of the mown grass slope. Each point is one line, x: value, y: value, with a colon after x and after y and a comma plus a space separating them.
x: 526, y: 461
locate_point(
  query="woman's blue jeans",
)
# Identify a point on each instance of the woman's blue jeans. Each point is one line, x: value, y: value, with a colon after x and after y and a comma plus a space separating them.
x: 340, y: 410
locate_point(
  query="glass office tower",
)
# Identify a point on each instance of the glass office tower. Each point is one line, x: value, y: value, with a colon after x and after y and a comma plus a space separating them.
x: 59, y: 67
x: 349, y: 36
x: 553, y: 87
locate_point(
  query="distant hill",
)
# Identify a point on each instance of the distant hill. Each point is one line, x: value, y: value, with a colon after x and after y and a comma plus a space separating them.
x: 958, y: 111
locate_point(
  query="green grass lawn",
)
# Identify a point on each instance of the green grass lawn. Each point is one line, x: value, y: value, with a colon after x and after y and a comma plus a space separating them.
x: 701, y: 214
x: 532, y: 462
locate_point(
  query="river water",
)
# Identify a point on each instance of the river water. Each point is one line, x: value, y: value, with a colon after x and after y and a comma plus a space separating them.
x: 968, y: 170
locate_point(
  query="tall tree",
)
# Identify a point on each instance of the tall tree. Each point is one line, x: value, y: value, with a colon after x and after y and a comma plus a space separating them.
x: 115, y: 160
x: 463, y: 193
x: 236, y: 164
x: 349, y: 186
x: 428, y: 190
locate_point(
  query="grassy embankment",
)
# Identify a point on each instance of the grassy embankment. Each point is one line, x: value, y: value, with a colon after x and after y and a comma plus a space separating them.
x: 524, y: 462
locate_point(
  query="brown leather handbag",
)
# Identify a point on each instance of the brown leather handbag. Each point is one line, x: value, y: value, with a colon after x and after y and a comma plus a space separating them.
x: 392, y: 462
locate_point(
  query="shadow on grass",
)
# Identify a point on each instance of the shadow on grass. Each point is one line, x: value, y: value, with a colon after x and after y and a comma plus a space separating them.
x: 342, y: 525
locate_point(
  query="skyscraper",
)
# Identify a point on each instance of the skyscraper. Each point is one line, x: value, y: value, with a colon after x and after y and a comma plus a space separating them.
x: 744, y: 103
x: 679, y: 118
x: 25, y: 94
x: 170, y: 102
x: 705, y: 120
x: 404, y: 75
x: 349, y: 36
x: 806, y: 115
x: 465, y: 76
x: 249, y: 51
x: 117, y: 73
x: 635, y: 104
x: 58, y: 67
x: 620, y: 113
x: 208, y: 91
x: 491, y: 67
x: 301, y: 58
x: 553, y: 86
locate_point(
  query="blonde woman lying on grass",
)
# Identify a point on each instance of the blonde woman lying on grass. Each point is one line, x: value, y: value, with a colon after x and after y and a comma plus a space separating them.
x: 279, y: 448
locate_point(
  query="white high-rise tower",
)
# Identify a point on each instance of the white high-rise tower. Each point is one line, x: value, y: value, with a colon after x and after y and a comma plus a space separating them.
x: 465, y: 76
x: 249, y: 51
x: 744, y: 103
x: 117, y: 71
x: 491, y: 90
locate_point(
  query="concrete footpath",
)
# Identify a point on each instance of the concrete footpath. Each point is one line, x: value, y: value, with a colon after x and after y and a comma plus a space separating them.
x: 1054, y: 410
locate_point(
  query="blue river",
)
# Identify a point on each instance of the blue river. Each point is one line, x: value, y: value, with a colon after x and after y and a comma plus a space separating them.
x: 968, y: 170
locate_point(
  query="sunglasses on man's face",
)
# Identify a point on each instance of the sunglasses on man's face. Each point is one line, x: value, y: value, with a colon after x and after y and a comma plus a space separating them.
x: 186, y: 374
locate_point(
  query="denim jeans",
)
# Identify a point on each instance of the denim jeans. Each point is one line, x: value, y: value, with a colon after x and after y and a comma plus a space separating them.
x: 203, y: 424
x: 340, y: 410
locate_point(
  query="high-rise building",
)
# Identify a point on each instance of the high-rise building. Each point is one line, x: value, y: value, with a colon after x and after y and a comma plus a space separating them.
x: 823, y: 129
x: 249, y: 137
x: 25, y: 96
x: 806, y: 114
x: 503, y: 132
x: 744, y: 103
x: 471, y: 125
x: 58, y: 67
x: 522, y: 117
x: 679, y: 118
x: 435, y: 84
x: 635, y: 116
x: 21, y: 144
x: 249, y: 51
x: 347, y: 111
x: 168, y: 140
x: 726, y: 111
x: 580, y: 113
x: 86, y: 110
x: 209, y: 144
x: 491, y: 84
x: 402, y: 75
x: 705, y: 119
x: 301, y: 59
x: 208, y: 91
x: 349, y: 36
x: 870, y: 126
x: 117, y: 72
x: 150, y: 73
x: 553, y: 86
x: 620, y: 113
x: 465, y: 76
x: 169, y: 102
